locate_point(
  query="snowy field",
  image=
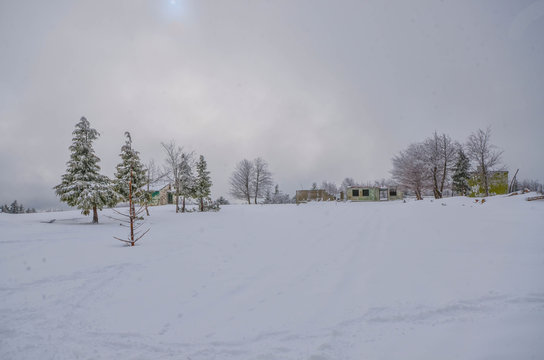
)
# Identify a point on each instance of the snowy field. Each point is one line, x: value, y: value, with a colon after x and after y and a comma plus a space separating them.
x: 447, y: 279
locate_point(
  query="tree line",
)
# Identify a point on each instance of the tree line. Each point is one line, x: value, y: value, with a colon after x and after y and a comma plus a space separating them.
x: 189, y: 176
x: 435, y: 165
x: 16, y: 208
x: 83, y: 186
x: 439, y: 162
x: 252, y: 181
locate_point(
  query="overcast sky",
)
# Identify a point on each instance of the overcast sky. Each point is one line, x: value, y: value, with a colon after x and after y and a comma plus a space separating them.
x: 322, y: 90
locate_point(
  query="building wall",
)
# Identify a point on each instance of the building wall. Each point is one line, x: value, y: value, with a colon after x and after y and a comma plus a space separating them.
x: 498, y: 184
x: 399, y: 196
x: 313, y: 195
x: 155, y: 198
x: 160, y: 197
x: 373, y: 194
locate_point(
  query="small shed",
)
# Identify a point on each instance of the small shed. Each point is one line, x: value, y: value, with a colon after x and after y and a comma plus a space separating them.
x: 373, y: 193
x: 161, y: 194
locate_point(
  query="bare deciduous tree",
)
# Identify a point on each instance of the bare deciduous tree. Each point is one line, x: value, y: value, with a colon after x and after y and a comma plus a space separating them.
x: 382, y: 183
x: 250, y: 179
x: 347, y: 182
x: 241, y: 180
x: 532, y: 185
x: 329, y: 187
x: 440, y: 153
x: 485, y: 155
x: 262, y: 180
x: 153, y: 175
x: 409, y: 169
x: 172, y: 167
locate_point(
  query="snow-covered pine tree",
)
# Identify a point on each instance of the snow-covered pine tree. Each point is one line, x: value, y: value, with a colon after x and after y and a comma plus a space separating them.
x: 186, y: 178
x: 14, y: 207
x: 267, y: 197
x: 82, y: 185
x: 203, y: 182
x: 222, y: 201
x: 460, y: 176
x: 130, y: 159
x: 133, y: 219
x: 277, y: 197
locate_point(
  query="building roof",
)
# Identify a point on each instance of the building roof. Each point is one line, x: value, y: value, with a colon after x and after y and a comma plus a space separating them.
x: 159, y: 185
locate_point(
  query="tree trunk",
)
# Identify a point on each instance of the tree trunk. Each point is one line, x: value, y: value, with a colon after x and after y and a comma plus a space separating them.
x: 256, y: 187
x: 444, y: 173
x: 418, y: 194
x: 183, y: 205
x: 248, y: 199
x: 201, y: 204
x: 147, y: 195
x: 484, y: 174
x: 95, y: 215
x: 131, y: 209
x: 437, y: 193
x: 177, y: 201
x: 486, y: 184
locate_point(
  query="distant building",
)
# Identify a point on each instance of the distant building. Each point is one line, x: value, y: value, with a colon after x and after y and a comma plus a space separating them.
x: 303, y: 196
x: 161, y: 194
x: 373, y: 193
x: 497, y: 182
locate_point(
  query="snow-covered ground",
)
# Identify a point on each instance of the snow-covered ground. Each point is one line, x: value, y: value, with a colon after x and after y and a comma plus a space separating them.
x: 443, y: 279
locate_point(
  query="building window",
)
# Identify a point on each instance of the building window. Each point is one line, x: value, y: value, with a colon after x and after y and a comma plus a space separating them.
x: 366, y: 192
x: 393, y: 192
x: 355, y: 192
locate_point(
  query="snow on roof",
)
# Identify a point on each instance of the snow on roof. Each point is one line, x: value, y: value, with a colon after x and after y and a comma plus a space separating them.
x: 159, y: 185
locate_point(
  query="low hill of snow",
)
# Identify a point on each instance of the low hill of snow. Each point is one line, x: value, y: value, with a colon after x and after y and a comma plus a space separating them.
x: 442, y: 279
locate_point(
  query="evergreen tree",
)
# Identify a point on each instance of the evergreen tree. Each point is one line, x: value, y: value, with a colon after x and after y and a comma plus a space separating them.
x: 82, y: 185
x: 186, y: 178
x: 460, y: 176
x: 277, y: 197
x: 130, y: 159
x: 203, y: 182
x: 268, y: 197
x: 133, y: 219
x: 5, y: 209
x: 14, y: 207
x: 222, y: 201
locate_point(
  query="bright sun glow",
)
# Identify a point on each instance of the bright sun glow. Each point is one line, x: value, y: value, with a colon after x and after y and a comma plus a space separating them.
x: 173, y: 10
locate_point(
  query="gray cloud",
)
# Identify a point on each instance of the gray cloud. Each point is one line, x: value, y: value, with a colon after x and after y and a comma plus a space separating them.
x: 321, y: 89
